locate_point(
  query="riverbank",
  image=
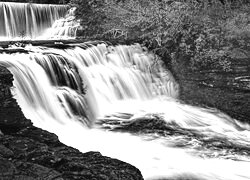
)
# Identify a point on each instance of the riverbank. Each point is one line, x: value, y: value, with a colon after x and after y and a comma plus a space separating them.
x: 215, y: 88
x: 28, y: 152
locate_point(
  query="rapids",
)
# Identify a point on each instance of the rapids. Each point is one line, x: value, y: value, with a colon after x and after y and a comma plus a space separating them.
x: 92, y: 94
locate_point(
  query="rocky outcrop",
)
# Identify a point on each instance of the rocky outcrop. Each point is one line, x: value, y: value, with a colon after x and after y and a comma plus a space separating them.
x: 28, y: 152
x: 227, y: 91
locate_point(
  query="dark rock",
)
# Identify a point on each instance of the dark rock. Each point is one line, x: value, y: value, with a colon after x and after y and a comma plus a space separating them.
x: 39, y: 135
x: 227, y: 91
x: 30, y: 153
x: 7, y: 168
x: 5, y: 152
x: 37, y: 171
x: 11, y: 116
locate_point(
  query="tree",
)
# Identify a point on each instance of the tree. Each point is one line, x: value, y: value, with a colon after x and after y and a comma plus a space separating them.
x: 91, y: 15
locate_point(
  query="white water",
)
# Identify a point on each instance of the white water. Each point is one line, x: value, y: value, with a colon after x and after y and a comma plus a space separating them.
x: 28, y: 21
x: 24, y: 20
x: 124, y: 79
x: 63, y: 28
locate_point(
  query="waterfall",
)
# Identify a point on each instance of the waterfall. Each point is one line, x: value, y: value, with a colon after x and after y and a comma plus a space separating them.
x: 110, y: 75
x: 80, y: 91
x: 26, y: 20
x: 63, y: 28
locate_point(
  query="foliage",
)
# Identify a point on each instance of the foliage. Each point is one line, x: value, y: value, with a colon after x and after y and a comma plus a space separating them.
x: 204, y: 32
x: 91, y: 13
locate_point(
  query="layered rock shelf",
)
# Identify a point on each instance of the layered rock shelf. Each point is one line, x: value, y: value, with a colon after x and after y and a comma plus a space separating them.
x: 226, y: 91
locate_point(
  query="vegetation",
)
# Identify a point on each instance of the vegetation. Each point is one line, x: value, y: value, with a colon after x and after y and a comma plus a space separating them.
x: 203, y: 34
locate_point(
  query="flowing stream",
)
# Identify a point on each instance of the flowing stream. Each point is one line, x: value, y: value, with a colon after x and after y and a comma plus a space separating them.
x: 122, y: 101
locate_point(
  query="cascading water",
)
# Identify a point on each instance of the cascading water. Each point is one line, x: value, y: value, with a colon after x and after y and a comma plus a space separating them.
x: 123, y: 86
x: 30, y: 21
x: 63, y: 28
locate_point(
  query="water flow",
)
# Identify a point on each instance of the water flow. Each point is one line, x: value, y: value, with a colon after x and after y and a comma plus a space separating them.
x: 26, y: 20
x: 63, y: 28
x: 127, y: 84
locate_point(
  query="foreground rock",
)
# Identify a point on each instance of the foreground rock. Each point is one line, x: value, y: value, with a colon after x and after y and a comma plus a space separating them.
x: 28, y: 153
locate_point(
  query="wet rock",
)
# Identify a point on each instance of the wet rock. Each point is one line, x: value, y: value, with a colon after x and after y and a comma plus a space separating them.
x: 8, y: 169
x: 11, y: 171
x: 39, y: 135
x: 227, y: 91
x: 5, y: 152
x: 96, y: 166
x: 37, y: 171
x: 11, y: 116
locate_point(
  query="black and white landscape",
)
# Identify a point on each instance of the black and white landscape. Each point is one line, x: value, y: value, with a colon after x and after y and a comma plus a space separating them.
x: 124, y: 90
